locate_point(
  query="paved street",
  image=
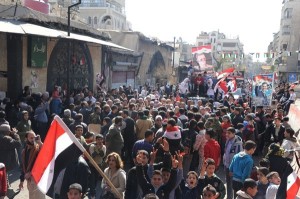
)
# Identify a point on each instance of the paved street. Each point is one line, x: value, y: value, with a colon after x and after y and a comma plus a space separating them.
x: 14, y: 180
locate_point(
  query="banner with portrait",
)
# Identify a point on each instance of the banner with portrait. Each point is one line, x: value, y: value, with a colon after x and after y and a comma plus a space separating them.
x: 238, y: 76
x: 202, y: 59
x: 262, y: 89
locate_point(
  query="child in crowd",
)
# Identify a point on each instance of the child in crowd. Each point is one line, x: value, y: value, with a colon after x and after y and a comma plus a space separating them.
x: 209, y: 192
x: 208, y: 177
x: 262, y: 183
x: 274, y: 181
x: 248, y: 191
x: 190, y: 187
x: 75, y: 191
x: 241, y: 165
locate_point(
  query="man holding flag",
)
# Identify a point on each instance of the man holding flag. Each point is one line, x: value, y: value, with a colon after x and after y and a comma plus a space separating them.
x: 29, y: 155
x: 53, y: 166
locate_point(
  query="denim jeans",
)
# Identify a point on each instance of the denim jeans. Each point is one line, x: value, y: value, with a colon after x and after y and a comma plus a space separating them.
x: 228, y: 184
x: 236, y: 185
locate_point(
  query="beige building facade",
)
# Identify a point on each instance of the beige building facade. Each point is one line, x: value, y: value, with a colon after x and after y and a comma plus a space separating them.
x: 286, y: 42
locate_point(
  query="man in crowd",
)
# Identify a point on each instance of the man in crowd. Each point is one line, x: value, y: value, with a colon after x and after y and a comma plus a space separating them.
x: 29, y: 155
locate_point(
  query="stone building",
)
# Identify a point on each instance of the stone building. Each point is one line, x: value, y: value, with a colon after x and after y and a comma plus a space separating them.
x: 99, y: 14
x: 222, y: 46
x: 286, y: 42
x: 36, y: 51
x: 155, y: 58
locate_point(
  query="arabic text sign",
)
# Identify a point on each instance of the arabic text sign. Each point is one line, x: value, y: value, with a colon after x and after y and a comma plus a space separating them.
x: 37, y: 51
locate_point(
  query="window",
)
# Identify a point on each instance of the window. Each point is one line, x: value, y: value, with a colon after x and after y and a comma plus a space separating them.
x: 95, y: 20
x: 229, y: 44
x: 286, y: 30
x: 89, y: 20
x: 288, y: 13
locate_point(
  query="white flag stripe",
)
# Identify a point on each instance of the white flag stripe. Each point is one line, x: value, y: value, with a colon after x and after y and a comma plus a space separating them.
x: 68, y: 131
x: 291, y: 180
x: 61, y: 144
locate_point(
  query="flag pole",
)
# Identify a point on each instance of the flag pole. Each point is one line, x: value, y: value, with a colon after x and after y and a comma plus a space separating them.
x: 79, y: 145
x: 113, y: 188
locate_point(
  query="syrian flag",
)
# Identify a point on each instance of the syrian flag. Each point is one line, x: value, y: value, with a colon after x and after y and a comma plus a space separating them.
x: 225, y: 73
x: 201, y: 49
x: 59, y: 149
x: 222, y: 84
x: 290, y: 184
x: 172, y: 133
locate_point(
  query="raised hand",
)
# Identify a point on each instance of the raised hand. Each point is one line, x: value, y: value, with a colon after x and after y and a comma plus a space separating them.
x: 180, y: 159
x: 174, y: 162
x: 165, y: 145
x: 153, y: 156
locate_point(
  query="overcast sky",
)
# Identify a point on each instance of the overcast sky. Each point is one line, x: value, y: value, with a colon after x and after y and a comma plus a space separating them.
x: 254, y: 21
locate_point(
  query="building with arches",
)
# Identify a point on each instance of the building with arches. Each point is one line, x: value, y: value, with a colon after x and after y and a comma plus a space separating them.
x: 99, y: 14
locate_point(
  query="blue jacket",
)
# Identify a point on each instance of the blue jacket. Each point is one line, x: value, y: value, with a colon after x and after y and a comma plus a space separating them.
x: 241, y: 166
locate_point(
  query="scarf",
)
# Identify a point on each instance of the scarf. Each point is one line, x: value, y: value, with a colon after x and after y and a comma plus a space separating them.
x: 29, y: 155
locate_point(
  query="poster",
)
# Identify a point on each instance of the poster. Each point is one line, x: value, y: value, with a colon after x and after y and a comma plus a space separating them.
x: 202, y: 59
x: 262, y: 87
x: 37, y: 51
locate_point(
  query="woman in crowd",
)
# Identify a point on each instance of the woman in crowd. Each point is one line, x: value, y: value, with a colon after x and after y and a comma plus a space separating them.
x: 115, y: 174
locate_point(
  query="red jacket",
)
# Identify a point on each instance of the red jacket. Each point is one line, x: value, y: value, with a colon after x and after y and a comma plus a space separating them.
x: 3, y: 182
x: 212, y: 150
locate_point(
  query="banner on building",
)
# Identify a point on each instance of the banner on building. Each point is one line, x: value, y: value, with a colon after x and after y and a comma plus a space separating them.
x: 37, y: 51
x: 202, y: 59
x: 262, y: 87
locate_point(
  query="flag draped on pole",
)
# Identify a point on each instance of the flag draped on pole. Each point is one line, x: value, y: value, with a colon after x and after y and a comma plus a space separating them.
x: 59, y: 149
x: 290, y: 184
x: 222, y: 84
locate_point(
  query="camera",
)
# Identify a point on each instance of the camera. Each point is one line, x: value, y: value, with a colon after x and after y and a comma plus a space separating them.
x: 37, y: 137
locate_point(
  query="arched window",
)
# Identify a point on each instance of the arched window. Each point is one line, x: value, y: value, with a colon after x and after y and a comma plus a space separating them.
x: 89, y: 20
x: 95, y: 20
x: 288, y: 13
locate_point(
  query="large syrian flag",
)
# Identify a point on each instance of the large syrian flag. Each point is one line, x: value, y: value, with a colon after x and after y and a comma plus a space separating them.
x: 225, y: 73
x: 222, y: 84
x: 290, y: 184
x: 59, y: 149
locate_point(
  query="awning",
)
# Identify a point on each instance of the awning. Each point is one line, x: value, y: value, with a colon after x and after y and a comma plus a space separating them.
x: 18, y: 27
x: 8, y: 26
x: 32, y: 29
x: 94, y: 40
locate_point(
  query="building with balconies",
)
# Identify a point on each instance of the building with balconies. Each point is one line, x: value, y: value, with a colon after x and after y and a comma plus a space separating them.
x: 286, y: 43
x: 227, y: 50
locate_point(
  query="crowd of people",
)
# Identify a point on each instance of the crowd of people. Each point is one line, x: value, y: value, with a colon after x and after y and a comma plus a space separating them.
x: 152, y: 144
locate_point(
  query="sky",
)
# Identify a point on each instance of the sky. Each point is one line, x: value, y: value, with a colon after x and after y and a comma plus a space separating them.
x: 254, y: 21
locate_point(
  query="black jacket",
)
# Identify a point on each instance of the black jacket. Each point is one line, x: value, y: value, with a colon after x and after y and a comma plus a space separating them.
x: 163, y: 191
x: 270, y: 131
x: 78, y: 172
x: 237, y: 119
x: 132, y: 188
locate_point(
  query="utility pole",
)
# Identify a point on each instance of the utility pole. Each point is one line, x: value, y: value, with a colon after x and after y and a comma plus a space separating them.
x: 69, y: 48
x: 174, y: 53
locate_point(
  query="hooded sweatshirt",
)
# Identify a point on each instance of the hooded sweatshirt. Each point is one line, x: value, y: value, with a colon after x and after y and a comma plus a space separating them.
x: 241, y: 166
x: 242, y: 195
